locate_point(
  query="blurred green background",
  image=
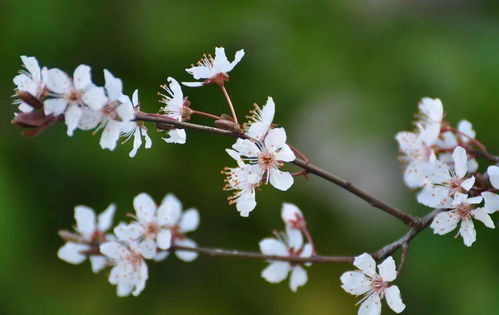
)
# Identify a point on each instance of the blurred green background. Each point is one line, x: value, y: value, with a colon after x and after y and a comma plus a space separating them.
x: 345, y: 75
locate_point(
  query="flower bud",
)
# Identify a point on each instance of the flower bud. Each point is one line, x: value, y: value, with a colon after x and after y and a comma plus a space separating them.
x: 29, y: 99
x: 226, y: 122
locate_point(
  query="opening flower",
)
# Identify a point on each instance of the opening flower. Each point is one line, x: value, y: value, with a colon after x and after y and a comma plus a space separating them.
x: 137, y: 129
x: 374, y: 286
x: 213, y: 70
x: 243, y: 181
x: 430, y: 114
x: 174, y: 108
x: 31, y: 81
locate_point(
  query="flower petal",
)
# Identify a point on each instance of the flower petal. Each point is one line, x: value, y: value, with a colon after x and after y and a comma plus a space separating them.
x: 113, y: 85
x: 71, y: 253
x: 298, y: 278
x: 114, y: 250
x: 281, y: 180
x: 445, y: 222
x: 54, y: 106
x: 493, y: 172
x: 273, y: 247
x: 285, y: 154
x: 393, y: 299
x: 58, y: 81
x: 82, y: 77
x: 185, y: 255
x: 491, y: 201
x: 147, y: 248
x: 276, y: 271
x: 460, y: 161
x: 177, y: 136
x: 371, y: 305
x: 294, y: 238
x: 85, y: 221
x: 468, y: 232
x: 98, y: 263
x: 387, y: 269
x: 110, y: 135
x: 164, y: 239
x: 145, y: 207
x: 169, y: 211
x: 105, y: 219
x: 189, y: 221
x: 468, y: 183
x: 366, y: 264
x: 481, y: 215
x: 95, y: 98
x: 355, y: 282
x: 275, y: 139
x: 290, y: 213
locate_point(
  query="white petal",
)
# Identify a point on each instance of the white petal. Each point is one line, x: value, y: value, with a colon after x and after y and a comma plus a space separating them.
x: 147, y: 248
x: 140, y: 283
x: 72, y: 117
x: 414, y: 175
x: 124, y: 289
x: 177, y: 136
x: 448, y: 140
x: 98, y: 263
x: 135, y: 98
x: 355, y: 282
x: 189, y: 221
x: 445, y: 222
x: 110, y: 135
x: 169, y: 211
x: 468, y: 232
x: 393, y: 299
x: 198, y: 72
x: 85, y: 221
x: 221, y: 63
x: 114, y: 86
x: 128, y: 232
x: 306, y: 251
x: 491, y: 201
x: 468, y: 183
x: 273, y: 247
x: 290, y: 213
x: 32, y: 66
x: 95, y: 98
x: 54, y: 106
x: 387, y: 269
x: 105, y: 219
x: 474, y: 200
x: 285, y: 154
x: 164, y: 239
x: 114, y: 250
x: 259, y: 129
x: 82, y: 77
x: 137, y: 142
x: 275, y: 139
x: 237, y: 59
x: 371, y: 306
x: 493, y: 172
x: 294, y: 238
x: 71, y: 253
x: 193, y: 84
x: 145, y: 207
x: 366, y: 264
x: 435, y: 196
x: 276, y: 271
x: 481, y: 215
x: 466, y: 127
x: 460, y: 161
x: 58, y: 82
x: 89, y: 118
x: 184, y: 255
x: 246, y: 203
x: 298, y: 278
x: 472, y: 165
x: 281, y: 180
x: 160, y: 256
x: 246, y: 147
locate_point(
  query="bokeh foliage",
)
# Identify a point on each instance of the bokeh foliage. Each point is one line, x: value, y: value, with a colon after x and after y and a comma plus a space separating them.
x: 346, y: 76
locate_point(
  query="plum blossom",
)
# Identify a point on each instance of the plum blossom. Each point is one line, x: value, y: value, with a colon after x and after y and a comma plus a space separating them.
x: 292, y: 216
x: 91, y: 230
x: 243, y: 181
x: 213, y: 70
x: 463, y: 210
x: 289, y: 244
x: 69, y: 96
x: 266, y: 157
x: 417, y: 157
x: 31, y: 81
x: 129, y: 272
x: 261, y: 120
x: 443, y: 183
x: 449, y: 140
x: 174, y: 108
x: 150, y: 229
x: 374, y: 286
x: 179, y: 224
x: 137, y: 129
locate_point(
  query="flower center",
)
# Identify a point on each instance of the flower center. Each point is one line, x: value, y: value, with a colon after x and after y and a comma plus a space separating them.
x: 464, y: 211
x: 74, y: 96
x: 151, y: 229
x: 378, y: 285
x: 267, y: 161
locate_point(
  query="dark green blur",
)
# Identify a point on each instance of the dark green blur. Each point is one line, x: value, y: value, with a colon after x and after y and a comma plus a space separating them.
x: 345, y: 75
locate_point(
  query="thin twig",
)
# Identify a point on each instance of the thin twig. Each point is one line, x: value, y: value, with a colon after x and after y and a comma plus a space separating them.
x: 310, y: 168
x: 197, y: 112
x: 227, y: 97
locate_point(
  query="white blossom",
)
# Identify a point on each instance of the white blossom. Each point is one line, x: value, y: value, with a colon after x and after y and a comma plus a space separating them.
x: 417, y: 157
x: 292, y: 215
x: 174, y: 108
x: 492, y: 199
x: 261, y: 120
x: 431, y: 113
x: 243, y: 181
x: 211, y: 69
x: 91, y: 230
x: 137, y: 129
x: 443, y: 183
x: 374, y: 286
x: 129, y: 272
x: 463, y: 210
x: 70, y: 95
x: 30, y: 80
x: 290, y: 245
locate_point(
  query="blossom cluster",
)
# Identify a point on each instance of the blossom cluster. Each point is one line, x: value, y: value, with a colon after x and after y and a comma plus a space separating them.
x: 152, y: 234
x: 441, y: 160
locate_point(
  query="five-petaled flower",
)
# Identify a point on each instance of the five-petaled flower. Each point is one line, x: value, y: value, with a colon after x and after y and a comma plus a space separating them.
x: 464, y: 210
x: 137, y: 129
x: 213, y: 70
x: 175, y: 108
x: 374, y: 286
x: 288, y: 244
x: 91, y: 231
x: 31, y: 81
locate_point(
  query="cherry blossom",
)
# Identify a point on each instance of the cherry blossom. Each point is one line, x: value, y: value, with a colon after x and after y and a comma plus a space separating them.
x: 213, y: 70
x: 150, y: 229
x: 175, y: 109
x: 374, y: 286
x: 463, y: 210
x: 179, y: 224
x: 292, y: 215
x: 91, y: 230
x: 243, y: 181
x: 261, y: 120
x: 137, y: 129
x: 129, y: 272
x: 430, y: 113
x: 266, y: 157
x: 417, y: 157
x: 443, y: 183
x: 30, y: 80
x: 69, y: 96
x: 288, y: 244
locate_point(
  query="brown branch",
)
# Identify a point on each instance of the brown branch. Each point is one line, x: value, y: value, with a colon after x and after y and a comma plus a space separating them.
x: 310, y: 168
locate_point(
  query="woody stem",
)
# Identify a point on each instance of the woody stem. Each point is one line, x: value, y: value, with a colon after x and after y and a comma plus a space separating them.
x: 227, y: 97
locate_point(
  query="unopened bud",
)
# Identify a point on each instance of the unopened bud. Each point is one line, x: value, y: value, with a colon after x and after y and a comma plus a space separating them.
x: 226, y: 122
x: 29, y: 99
